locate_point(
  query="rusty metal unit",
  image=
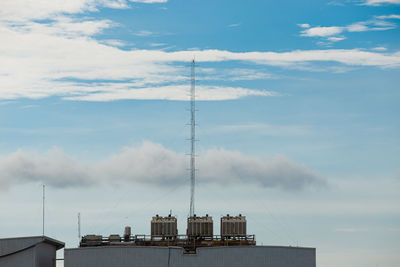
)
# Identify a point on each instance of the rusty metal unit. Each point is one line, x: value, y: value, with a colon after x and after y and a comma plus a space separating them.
x: 114, y: 238
x: 165, y: 227
x: 92, y: 240
x: 187, y: 242
x: 200, y: 226
x: 233, y: 226
x: 164, y: 233
x: 127, y: 233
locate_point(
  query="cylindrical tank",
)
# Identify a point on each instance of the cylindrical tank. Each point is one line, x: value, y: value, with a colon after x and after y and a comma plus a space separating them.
x: 200, y: 226
x: 233, y: 226
x: 127, y: 233
x: 164, y: 226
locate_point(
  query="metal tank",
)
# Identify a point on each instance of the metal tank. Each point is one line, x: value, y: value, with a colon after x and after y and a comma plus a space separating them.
x: 164, y: 226
x: 200, y: 226
x: 233, y: 226
x: 127, y: 233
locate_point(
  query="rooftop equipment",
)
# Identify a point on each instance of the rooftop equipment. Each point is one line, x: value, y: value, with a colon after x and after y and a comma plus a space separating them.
x: 200, y: 226
x: 233, y: 226
x: 92, y: 240
x: 165, y: 227
x: 127, y: 233
x: 114, y: 238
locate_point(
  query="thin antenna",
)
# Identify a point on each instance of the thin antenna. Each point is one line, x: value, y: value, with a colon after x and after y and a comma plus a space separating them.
x: 192, y: 137
x: 79, y: 226
x: 43, y: 210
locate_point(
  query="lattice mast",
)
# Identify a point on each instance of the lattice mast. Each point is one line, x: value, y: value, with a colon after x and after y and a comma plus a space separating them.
x: 192, y: 137
x: 43, y: 202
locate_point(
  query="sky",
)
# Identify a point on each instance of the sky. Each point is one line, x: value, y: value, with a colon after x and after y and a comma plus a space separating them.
x: 297, y: 119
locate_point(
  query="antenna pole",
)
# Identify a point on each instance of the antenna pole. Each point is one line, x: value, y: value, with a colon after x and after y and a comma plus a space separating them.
x: 43, y: 209
x: 192, y: 137
x: 79, y: 226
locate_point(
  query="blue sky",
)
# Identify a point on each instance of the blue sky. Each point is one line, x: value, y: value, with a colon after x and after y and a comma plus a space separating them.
x: 297, y: 114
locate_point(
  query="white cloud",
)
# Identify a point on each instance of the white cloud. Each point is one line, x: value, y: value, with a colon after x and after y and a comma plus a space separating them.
x: 304, y: 25
x: 331, y: 33
x: 154, y: 164
x: 357, y: 27
x: 117, y: 4
x: 54, y: 167
x: 370, y: 26
x: 144, y: 33
x: 22, y: 10
x: 379, y: 48
x: 381, y: 2
x: 61, y: 57
x: 65, y: 27
x: 393, y: 16
x: 263, y: 129
x: 336, y: 3
x: 322, y: 31
x: 112, y: 42
x: 110, y: 92
x: 234, y: 25
x: 149, y: 1
x: 336, y: 39
x: 351, y: 230
x: 158, y: 44
x: 237, y: 74
x: 38, y: 63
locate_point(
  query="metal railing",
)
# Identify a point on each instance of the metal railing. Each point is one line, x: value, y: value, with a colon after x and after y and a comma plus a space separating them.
x: 184, y: 241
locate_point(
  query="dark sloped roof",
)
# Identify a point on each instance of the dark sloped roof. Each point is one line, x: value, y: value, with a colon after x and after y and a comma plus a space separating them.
x: 16, y: 244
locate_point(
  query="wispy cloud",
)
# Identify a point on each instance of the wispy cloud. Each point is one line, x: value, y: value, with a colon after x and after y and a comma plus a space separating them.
x: 332, y: 33
x: 393, y: 16
x: 234, y: 25
x: 22, y: 10
x: 61, y: 57
x: 336, y: 39
x: 336, y: 3
x: 264, y: 129
x: 322, y: 31
x: 64, y: 27
x: 158, y: 44
x: 380, y: 2
x: 112, y: 42
x: 351, y: 230
x: 149, y: 1
x: 379, y: 48
x: 304, y: 25
x: 47, y: 71
x: 110, y: 92
x: 144, y: 33
x: 154, y: 164
x: 237, y: 74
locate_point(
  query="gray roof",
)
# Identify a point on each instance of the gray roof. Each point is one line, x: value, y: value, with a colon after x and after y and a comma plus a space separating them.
x: 16, y: 244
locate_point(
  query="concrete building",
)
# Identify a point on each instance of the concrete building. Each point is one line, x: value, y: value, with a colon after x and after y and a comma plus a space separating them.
x: 238, y: 256
x: 35, y: 251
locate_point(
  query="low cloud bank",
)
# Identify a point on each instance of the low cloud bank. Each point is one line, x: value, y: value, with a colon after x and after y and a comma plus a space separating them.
x: 152, y: 163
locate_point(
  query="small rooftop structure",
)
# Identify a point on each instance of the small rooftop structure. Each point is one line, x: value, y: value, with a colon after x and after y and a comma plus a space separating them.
x: 200, y: 226
x: 164, y: 227
x: 233, y: 226
x: 164, y: 233
x: 34, y: 251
